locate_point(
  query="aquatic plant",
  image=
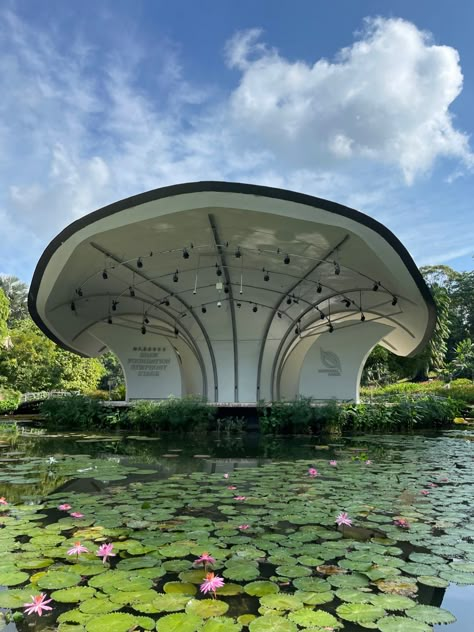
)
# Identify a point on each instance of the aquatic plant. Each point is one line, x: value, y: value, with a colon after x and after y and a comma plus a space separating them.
x: 37, y: 605
x: 211, y: 583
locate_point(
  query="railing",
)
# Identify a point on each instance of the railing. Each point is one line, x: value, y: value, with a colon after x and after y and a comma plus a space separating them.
x: 40, y: 395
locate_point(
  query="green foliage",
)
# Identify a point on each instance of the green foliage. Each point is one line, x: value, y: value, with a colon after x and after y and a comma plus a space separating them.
x: 186, y: 414
x: 32, y: 362
x: 4, y: 314
x: 462, y: 390
x: 75, y: 412
x: 463, y: 362
x: 297, y: 417
x: 8, y: 402
x: 17, y: 294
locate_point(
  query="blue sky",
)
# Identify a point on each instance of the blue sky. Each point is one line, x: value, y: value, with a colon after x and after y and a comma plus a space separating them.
x: 365, y: 103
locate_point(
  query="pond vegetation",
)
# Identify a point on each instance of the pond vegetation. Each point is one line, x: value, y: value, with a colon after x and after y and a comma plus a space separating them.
x: 246, y: 533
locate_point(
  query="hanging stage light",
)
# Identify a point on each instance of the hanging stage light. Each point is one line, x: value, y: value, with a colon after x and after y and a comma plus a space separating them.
x: 319, y: 289
x: 297, y: 330
x: 219, y: 304
x: 176, y: 332
x: 286, y: 260
x: 139, y: 262
x: 295, y: 300
x: 238, y: 254
x: 79, y: 291
x: 146, y: 320
x: 109, y: 320
x: 185, y: 253
x: 132, y: 291
x: 279, y: 314
x: 203, y: 309
x: 73, y: 306
x: 104, y: 274
x: 226, y: 289
x: 114, y: 305
x: 376, y: 286
x: 394, y: 300
x: 143, y: 329
x: 254, y: 309
x: 218, y: 271
x: 175, y: 277
x: 321, y: 315
x: 331, y: 328
x: 167, y: 302
x: 362, y: 317
x: 347, y: 302
x: 337, y: 268
x: 266, y: 276
x: 239, y: 305
x: 289, y: 301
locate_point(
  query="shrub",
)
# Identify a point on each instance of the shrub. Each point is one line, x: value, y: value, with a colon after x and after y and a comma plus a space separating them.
x: 75, y: 412
x: 180, y: 415
x: 9, y: 401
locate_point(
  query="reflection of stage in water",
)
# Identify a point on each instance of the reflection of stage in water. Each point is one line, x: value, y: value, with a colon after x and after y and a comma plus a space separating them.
x: 226, y: 466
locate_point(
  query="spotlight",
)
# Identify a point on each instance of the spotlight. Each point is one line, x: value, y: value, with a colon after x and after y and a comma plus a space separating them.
x: 203, y: 309
x: 297, y: 330
x: 114, y: 305
x: 238, y: 254
x: 254, y: 309
x: 104, y: 274
x: 362, y: 317
x: 289, y: 301
x: 185, y: 253
x: 331, y: 329
x: 279, y: 314
x: 337, y: 268
x: 176, y: 332
x: 239, y: 305
x: 266, y: 277
x: 132, y: 291
x: 167, y: 302
x: 175, y: 277
x: 143, y: 329
x: 218, y: 270
x: 109, y: 320
x: 394, y: 300
x: 73, y: 306
x: 295, y: 300
x: 347, y: 302
x: 79, y: 291
x: 139, y: 262
x: 226, y: 289
x: 286, y: 260
x: 376, y: 286
x: 219, y: 304
x: 146, y: 320
x: 321, y: 315
x: 319, y: 289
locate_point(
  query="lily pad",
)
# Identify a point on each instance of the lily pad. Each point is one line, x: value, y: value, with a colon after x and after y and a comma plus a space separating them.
x: 54, y: 580
x: 272, y: 623
x: 399, y: 624
x: 72, y: 595
x: 281, y: 601
x: 431, y: 615
x: 359, y: 612
x: 261, y: 588
x: 206, y: 608
x: 113, y: 622
x: 221, y: 624
x: 13, y: 578
x: 307, y: 618
x: 180, y: 622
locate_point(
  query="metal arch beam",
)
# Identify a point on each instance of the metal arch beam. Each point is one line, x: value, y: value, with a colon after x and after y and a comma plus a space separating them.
x: 295, y: 320
x: 141, y: 274
x: 278, y: 370
x: 222, y: 261
x: 275, y: 309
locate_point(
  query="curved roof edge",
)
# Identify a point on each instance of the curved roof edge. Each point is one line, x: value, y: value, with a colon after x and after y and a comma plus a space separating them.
x: 228, y: 187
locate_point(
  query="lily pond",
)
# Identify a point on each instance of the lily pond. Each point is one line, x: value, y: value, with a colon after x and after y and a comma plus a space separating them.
x: 117, y: 533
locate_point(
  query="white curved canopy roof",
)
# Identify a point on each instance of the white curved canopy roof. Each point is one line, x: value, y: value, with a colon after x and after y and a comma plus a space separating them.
x: 285, y: 267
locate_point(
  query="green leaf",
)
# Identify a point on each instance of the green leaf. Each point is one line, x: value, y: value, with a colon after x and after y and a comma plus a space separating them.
x: 71, y: 595
x: 272, y: 623
x: 261, y: 588
x: 392, y: 602
x: 314, y: 618
x: 183, y: 588
x: 281, y: 601
x: 13, y: 578
x: 98, y: 606
x: 53, y: 580
x: 401, y: 624
x: 431, y: 615
x: 359, y: 612
x: 113, y: 622
x: 206, y: 608
x: 221, y: 624
x: 180, y: 622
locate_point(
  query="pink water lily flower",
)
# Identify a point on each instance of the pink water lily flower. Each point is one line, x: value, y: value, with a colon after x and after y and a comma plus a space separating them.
x: 368, y: 462
x: 211, y: 583
x: 76, y: 514
x: 312, y: 471
x: 333, y: 463
x: 240, y: 497
x: 3, y: 501
x: 105, y: 551
x: 226, y: 475
x: 424, y: 492
x: 343, y: 519
x: 402, y: 523
x: 431, y: 485
x: 231, y: 487
x: 77, y: 549
x: 38, y: 604
x: 64, y: 507
x: 204, y: 559
x: 243, y: 527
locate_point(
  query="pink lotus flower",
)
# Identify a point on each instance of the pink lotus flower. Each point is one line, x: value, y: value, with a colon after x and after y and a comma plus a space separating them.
x: 240, y: 497
x: 105, y: 551
x: 402, y: 523
x: 431, y: 485
x: 226, y: 475
x: 243, y: 527
x: 444, y: 480
x: 37, y: 604
x: 77, y: 549
x: 64, y: 507
x: 313, y: 472
x: 343, y: 519
x: 424, y: 492
x: 333, y: 463
x: 232, y: 487
x: 368, y: 462
x: 76, y: 514
x: 3, y: 501
x: 205, y: 559
x: 211, y: 583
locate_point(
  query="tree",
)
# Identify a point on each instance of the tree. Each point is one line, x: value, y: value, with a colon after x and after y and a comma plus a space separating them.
x: 17, y: 293
x: 463, y: 363
x: 113, y: 371
x: 32, y: 362
x: 4, y: 314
